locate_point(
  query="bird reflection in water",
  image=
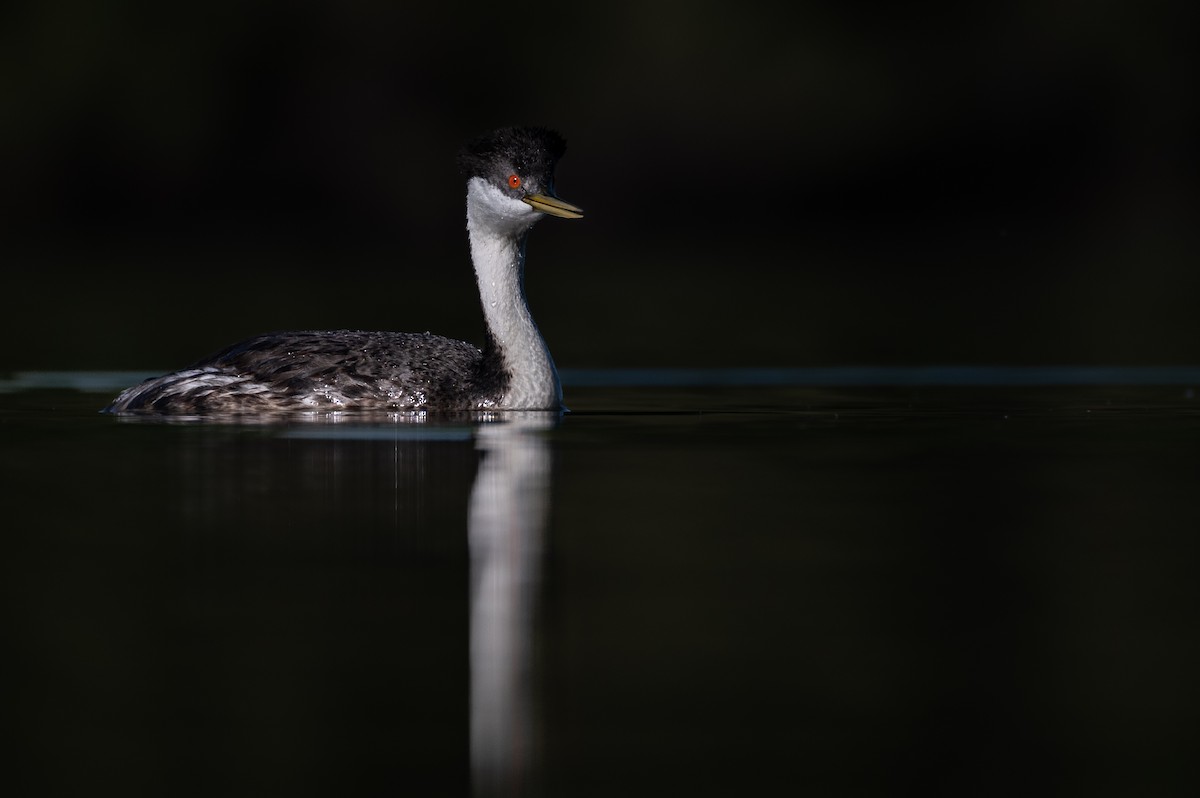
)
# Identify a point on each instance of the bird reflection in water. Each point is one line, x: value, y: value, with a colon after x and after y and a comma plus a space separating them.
x: 506, y: 523
x: 346, y: 479
x: 506, y: 520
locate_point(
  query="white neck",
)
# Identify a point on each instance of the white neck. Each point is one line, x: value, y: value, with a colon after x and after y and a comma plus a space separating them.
x: 497, y: 226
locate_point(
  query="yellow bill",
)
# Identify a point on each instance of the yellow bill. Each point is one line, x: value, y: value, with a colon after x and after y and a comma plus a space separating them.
x: 553, y: 206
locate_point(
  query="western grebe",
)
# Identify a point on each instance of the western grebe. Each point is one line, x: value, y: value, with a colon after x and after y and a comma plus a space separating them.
x: 510, y: 185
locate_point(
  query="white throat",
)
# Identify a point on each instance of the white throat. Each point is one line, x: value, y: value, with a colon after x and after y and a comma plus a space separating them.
x: 497, y: 225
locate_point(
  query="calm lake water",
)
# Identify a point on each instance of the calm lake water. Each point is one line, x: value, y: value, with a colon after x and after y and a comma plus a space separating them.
x: 842, y: 583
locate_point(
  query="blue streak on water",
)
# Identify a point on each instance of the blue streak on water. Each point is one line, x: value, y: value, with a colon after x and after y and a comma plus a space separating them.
x: 830, y: 376
x: 875, y: 376
x: 89, y: 381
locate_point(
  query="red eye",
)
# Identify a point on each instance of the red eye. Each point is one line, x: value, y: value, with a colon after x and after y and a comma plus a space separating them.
x: 514, y: 181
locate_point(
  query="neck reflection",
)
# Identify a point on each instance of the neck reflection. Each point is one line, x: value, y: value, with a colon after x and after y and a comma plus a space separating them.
x: 506, y: 523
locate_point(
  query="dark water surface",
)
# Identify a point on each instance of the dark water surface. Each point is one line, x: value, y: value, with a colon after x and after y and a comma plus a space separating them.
x: 725, y: 590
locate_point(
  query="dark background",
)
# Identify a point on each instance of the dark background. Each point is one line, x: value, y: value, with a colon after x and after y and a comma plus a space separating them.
x: 830, y: 184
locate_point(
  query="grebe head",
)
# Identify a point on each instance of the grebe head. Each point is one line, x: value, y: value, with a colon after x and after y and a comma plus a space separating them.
x: 510, y: 178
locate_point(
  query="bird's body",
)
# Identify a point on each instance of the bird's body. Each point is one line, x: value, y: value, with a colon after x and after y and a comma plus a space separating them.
x: 325, y: 370
x: 510, y: 187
